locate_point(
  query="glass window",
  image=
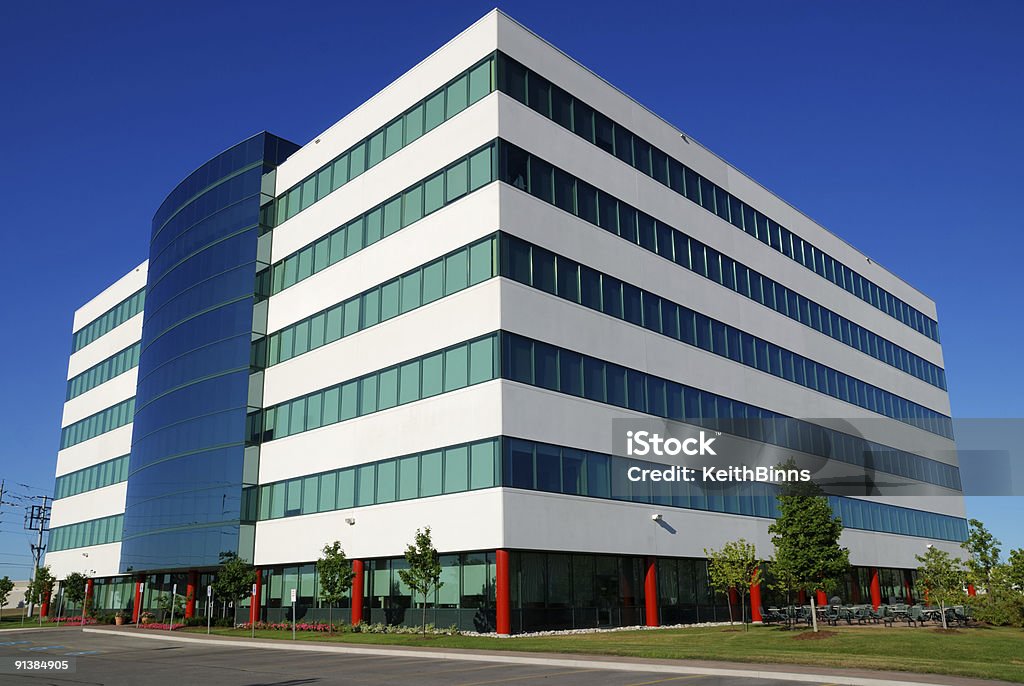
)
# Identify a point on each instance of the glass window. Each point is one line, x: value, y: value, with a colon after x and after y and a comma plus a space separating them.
x: 480, y: 168
x: 409, y: 382
x: 433, y: 193
x: 408, y: 477
x: 414, y: 124
x: 456, y: 469
x: 457, y: 96
x: 412, y: 205
x: 455, y: 368
x: 481, y: 265
x: 368, y: 394
x: 388, y: 388
x: 430, y: 473
x: 390, y: 294
x: 411, y: 291
x: 456, y: 180
x: 481, y: 356
x: 482, y: 465
x: 392, y: 216
x: 349, y: 398
x: 434, y: 108
x: 375, y: 149
x: 357, y: 160
x: 432, y: 366
x: 433, y: 281
x: 393, y: 137
x: 365, y: 484
x: 456, y: 272
x: 386, y: 481
x: 479, y: 81
x: 340, y: 173
x: 346, y: 488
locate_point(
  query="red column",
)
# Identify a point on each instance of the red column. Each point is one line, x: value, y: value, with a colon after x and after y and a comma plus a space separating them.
x: 44, y: 607
x: 137, y: 607
x: 254, y: 603
x: 971, y: 591
x: 876, y: 589
x: 503, y: 595
x: 190, y: 594
x: 357, y: 592
x: 88, y: 596
x: 651, y: 592
x: 822, y: 598
x: 801, y: 598
x: 755, y: 602
x: 908, y: 588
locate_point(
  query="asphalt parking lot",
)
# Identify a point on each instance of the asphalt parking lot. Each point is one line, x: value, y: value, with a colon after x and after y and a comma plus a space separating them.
x: 113, y: 660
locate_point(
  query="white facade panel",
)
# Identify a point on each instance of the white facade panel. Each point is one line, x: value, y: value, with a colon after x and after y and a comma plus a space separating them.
x: 450, y: 320
x: 403, y: 430
x: 99, y: 502
x: 121, y: 387
x: 531, y: 313
x: 460, y: 223
x: 99, y: 449
x: 95, y: 561
x: 544, y: 521
x: 539, y: 55
x: 386, y: 530
x: 529, y: 130
x: 533, y: 220
x: 114, y: 341
x: 459, y: 136
x: 111, y: 296
x: 462, y: 52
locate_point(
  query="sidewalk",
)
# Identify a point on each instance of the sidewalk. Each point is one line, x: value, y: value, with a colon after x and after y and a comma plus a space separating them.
x: 802, y: 673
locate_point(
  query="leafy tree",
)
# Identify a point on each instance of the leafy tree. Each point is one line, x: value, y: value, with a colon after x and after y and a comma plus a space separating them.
x: 6, y: 586
x: 40, y: 588
x: 737, y: 566
x: 169, y: 601
x: 1014, y: 572
x: 234, y: 578
x: 74, y: 589
x: 942, y: 577
x: 1001, y: 604
x: 424, y: 572
x: 335, y: 572
x: 806, y: 538
x: 983, y: 551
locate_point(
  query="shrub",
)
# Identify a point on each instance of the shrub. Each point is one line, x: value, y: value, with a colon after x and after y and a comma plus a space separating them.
x: 999, y: 607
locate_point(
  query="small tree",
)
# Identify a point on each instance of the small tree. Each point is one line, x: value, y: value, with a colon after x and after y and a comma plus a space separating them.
x: 424, y: 572
x: 74, y: 589
x: 1014, y: 572
x: 806, y: 538
x: 40, y: 588
x: 942, y: 577
x: 234, y: 578
x: 168, y: 602
x: 335, y: 572
x: 983, y: 553
x: 737, y: 566
x: 6, y: 586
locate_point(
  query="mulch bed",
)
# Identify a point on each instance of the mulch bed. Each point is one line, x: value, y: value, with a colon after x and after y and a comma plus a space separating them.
x: 811, y: 636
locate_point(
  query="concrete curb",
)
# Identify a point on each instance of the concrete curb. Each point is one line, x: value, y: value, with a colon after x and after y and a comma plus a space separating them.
x: 586, y: 662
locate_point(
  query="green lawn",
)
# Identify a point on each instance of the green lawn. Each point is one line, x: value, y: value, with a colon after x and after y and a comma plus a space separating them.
x: 994, y: 653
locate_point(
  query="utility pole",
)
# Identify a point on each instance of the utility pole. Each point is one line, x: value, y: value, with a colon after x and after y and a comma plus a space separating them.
x: 37, y: 519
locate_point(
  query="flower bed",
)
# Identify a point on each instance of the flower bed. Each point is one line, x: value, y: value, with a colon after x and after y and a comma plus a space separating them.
x: 163, y: 627
x: 322, y: 627
x: 72, y: 620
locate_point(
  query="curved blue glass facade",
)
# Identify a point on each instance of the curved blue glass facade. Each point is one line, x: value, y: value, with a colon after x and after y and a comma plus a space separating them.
x: 185, y: 477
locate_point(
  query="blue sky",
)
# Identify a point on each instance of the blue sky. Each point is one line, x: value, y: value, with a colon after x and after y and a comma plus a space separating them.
x: 896, y: 125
